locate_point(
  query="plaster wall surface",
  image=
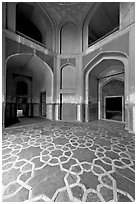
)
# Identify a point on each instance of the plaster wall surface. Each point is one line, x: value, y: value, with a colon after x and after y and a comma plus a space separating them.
x: 69, y: 40
x: 127, y: 14
x: 120, y: 44
x: 68, y: 77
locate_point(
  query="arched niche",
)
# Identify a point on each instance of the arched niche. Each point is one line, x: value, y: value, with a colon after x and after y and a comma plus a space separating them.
x: 35, y: 23
x: 69, y: 40
x: 33, y: 67
x: 104, y: 65
x: 68, y: 77
x: 39, y: 79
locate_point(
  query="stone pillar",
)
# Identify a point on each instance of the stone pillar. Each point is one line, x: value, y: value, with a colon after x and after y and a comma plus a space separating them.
x: 123, y: 110
x: 86, y: 113
x: 127, y: 18
x: 131, y: 79
x: 126, y: 117
x: 79, y: 118
x: 79, y: 88
x: 126, y: 99
x: 85, y: 37
x: 99, y: 101
x: 11, y: 16
x: 133, y: 119
x: 56, y: 87
x: 3, y: 79
x: 3, y: 14
x: 49, y: 111
x: 3, y: 110
x: 56, y: 111
x: 99, y: 112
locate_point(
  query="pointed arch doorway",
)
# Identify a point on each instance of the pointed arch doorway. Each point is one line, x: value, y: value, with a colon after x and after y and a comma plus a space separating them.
x: 27, y: 76
x: 104, y: 68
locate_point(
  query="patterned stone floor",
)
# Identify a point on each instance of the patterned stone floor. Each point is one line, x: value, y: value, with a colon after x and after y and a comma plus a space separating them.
x: 69, y: 162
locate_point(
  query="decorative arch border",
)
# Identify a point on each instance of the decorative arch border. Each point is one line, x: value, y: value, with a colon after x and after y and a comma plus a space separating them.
x: 64, y: 22
x: 33, y: 55
x: 67, y: 63
x: 122, y: 57
x: 110, y: 79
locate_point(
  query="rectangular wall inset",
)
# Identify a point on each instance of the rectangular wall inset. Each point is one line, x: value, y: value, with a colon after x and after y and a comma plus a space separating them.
x: 67, y: 107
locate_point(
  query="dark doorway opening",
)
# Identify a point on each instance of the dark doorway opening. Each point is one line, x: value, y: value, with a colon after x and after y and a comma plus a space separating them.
x: 113, y: 108
x: 22, y: 95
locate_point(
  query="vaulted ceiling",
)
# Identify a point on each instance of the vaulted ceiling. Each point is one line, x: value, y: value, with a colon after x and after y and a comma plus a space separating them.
x: 72, y: 11
x: 105, y: 20
x: 104, y: 16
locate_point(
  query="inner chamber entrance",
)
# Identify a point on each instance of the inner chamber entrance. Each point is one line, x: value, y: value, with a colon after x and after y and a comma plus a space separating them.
x: 113, y: 108
x: 22, y: 95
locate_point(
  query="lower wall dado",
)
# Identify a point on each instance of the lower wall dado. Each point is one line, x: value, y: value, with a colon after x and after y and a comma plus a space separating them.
x: 64, y: 112
x: 29, y: 110
x: 93, y: 111
x: 69, y: 112
x: 130, y: 117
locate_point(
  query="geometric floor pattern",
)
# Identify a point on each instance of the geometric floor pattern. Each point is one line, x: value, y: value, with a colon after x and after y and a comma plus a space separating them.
x: 68, y: 162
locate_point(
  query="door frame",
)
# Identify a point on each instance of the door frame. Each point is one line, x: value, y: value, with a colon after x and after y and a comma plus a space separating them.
x: 120, y: 96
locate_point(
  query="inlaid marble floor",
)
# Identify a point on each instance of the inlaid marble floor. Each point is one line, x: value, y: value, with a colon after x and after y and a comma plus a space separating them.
x: 53, y: 161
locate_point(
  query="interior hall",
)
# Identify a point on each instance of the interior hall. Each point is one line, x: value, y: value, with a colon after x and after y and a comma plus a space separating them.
x: 68, y: 101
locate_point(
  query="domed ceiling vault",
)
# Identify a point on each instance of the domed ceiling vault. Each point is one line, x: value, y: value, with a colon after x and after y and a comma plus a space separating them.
x: 71, y: 11
x: 102, y: 17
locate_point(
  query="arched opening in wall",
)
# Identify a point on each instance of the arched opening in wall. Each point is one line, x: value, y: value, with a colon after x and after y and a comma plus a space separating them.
x: 113, y: 100
x: 24, y: 22
x: 22, y: 95
x: 104, y: 22
x: 28, y: 78
x: 100, y: 95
